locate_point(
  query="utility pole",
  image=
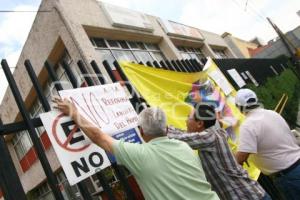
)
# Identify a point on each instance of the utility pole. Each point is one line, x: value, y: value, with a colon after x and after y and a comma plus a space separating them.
x: 292, y: 49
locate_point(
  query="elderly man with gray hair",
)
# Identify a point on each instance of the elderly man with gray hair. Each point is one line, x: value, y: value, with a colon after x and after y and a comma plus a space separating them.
x: 164, y: 168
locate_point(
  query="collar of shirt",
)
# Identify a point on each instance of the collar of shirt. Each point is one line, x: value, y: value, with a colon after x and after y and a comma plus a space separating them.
x: 158, y: 139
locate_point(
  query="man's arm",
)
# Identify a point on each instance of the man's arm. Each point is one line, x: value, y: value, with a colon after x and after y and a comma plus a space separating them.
x: 95, y: 134
x: 195, y: 140
x: 241, y: 157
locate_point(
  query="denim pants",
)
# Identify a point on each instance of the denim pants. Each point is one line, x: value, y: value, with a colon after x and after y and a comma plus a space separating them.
x: 266, y: 197
x: 289, y: 184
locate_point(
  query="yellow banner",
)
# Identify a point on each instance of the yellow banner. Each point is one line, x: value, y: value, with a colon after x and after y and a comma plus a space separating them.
x: 177, y: 92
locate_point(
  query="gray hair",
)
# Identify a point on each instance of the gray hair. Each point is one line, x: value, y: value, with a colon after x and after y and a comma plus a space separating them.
x: 153, y: 121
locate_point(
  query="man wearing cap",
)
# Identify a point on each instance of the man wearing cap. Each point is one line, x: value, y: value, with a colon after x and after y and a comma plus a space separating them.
x: 164, y: 168
x: 227, y: 177
x: 266, y: 139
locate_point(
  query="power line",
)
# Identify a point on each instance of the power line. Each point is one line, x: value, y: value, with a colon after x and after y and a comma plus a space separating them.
x: 253, y: 12
x: 23, y: 11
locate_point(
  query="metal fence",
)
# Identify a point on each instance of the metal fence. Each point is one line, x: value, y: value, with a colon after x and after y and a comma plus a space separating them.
x: 9, y: 180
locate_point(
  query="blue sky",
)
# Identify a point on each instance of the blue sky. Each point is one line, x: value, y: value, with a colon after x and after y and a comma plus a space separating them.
x: 212, y: 15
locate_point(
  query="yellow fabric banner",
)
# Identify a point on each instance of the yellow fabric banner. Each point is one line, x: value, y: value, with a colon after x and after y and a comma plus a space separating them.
x: 177, y: 92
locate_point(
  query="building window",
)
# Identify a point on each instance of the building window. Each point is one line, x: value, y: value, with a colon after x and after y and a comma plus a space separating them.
x: 43, y: 192
x: 121, y: 50
x: 22, y: 143
x: 220, y: 53
x: 191, y: 53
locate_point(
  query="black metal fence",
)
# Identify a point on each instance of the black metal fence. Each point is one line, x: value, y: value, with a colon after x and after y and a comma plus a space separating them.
x: 9, y: 180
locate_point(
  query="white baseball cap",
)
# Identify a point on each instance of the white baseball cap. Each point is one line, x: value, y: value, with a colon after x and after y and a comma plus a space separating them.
x: 243, y: 96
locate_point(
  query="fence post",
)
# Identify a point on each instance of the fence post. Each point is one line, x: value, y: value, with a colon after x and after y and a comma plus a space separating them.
x: 10, y: 183
x: 82, y: 187
x: 33, y: 135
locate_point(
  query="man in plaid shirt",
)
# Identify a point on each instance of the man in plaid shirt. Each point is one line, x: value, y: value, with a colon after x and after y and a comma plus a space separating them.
x: 228, y: 179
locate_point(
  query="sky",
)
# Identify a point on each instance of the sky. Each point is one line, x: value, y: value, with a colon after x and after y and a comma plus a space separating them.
x: 243, y: 18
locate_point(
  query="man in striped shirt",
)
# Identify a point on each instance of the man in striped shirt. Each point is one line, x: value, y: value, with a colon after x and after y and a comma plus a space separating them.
x: 228, y: 179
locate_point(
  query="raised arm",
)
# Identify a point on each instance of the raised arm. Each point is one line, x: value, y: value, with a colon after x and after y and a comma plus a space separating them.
x: 95, y: 134
x: 195, y: 140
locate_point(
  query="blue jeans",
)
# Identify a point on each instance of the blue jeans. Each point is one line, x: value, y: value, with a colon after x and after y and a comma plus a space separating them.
x: 289, y: 184
x: 266, y: 197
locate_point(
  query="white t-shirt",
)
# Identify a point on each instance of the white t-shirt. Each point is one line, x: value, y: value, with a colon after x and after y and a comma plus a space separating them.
x: 268, y: 138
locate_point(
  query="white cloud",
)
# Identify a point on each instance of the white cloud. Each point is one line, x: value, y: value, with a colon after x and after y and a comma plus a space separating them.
x: 14, y: 29
x: 230, y: 15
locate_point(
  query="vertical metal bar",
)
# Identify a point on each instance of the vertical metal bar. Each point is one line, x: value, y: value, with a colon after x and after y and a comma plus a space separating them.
x: 193, y: 69
x: 177, y: 68
x: 156, y: 64
x: 38, y: 88
x: 181, y: 66
x: 188, y: 65
x: 33, y: 135
x: 164, y: 65
x: 70, y: 74
x: 85, y: 73
x: 109, y: 71
x: 98, y: 72
x: 170, y: 67
x: 148, y: 63
x: 10, y: 183
x: 135, y: 99
x: 53, y: 76
x: 197, y: 65
x: 105, y: 184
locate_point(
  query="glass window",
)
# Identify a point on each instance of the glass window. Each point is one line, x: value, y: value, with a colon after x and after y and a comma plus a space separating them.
x: 129, y: 51
x: 143, y: 56
x: 220, y: 53
x: 124, y: 45
x: 189, y: 52
x: 113, y: 43
x: 158, y: 56
x: 133, y: 45
x: 185, y: 56
x: 100, y: 42
x: 123, y: 55
x: 107, y: 55
x: 141, y: 45
x: 22, y: 143
x: 152, y: 46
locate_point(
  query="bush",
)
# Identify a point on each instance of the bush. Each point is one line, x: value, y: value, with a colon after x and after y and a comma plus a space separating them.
x: 270, y: 93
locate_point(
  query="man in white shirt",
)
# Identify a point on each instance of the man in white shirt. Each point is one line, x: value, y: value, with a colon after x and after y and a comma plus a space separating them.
x: 266, y: 139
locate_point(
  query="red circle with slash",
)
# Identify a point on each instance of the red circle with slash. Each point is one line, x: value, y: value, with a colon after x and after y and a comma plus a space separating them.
x: 64, y: 145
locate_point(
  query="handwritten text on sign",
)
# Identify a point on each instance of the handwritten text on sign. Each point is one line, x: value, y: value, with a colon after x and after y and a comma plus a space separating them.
x: 106, y: 106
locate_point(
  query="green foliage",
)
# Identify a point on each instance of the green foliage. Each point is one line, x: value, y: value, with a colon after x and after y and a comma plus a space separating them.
x: 270, y: 93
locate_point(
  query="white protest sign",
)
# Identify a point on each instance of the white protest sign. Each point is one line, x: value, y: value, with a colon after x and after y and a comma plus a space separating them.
x: 79, y: 157
x: 236, y: 77
x: 107, y: 107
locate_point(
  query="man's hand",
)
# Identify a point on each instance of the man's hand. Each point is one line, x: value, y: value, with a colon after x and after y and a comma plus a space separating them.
x: 94, y: 133
x: 65, y: 106
x: 242, y: 157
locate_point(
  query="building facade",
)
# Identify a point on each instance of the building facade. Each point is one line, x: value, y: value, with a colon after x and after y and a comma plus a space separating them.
x: 241, y: 48
x: 73, y: 30
x: 276, y: 47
